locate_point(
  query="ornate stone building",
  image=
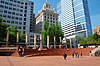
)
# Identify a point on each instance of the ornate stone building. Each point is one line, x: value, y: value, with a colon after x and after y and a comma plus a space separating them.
x: 45, y: 13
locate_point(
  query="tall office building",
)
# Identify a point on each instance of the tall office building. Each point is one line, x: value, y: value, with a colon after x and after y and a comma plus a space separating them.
x: 19, y: 13
x: 74, y: 18
x: 45, y: 13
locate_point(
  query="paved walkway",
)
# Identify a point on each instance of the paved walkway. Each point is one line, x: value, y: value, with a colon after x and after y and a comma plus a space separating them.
x: 48, y: 61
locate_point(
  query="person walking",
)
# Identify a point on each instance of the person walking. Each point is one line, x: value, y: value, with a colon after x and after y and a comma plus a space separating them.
x: 81, y: 54
x: 73, y: 53
x: 65, y: 55
x: 22, y: 51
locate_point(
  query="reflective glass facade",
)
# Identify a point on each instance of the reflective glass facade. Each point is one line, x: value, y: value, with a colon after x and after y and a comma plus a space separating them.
x: 74, y: 17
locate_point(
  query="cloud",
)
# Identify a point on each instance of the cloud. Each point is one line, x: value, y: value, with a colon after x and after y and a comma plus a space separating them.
x: 95, y: 20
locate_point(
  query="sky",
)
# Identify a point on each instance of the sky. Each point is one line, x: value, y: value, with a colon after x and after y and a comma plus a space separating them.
x: 94, y: 9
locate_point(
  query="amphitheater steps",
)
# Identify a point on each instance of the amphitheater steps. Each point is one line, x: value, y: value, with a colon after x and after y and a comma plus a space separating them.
x: 16, y: 53
x: 58, y: 52
x: 52, y: 52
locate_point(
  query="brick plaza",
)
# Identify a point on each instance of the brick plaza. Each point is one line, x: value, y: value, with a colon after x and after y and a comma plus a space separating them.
x: 49, y: 61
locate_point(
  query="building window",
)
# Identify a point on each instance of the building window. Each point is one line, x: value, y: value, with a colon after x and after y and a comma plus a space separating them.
x: 12, y: 22
x: 53, y: 18
x: 17, y: 18
x: 19, y: 27
x: 32, y: 3
x: 11, y: 0
x: 25, y: 7
x: 15, y: 1
x: 31, y: 11
x: 10, y: 4
x: 14, y: 9
x: 13, y: 13
x: 25, y: 11
x: 6, y: 3
x: 6, y: 7
x: 18, y: 2
x: 45, y: 17
x: 24, y: 23
x: 2, y: 2
x: 14, y: 5
x: 5, y: 11
x: 4, y: 20
x: 21, y: 10
x: 20, y: 23
x: 17, y: 14
x: 24, y: 19
x: 24, y: 32
x: 0, y: 15
x: 24, y: 15
x: 4, y: 16
x: 10, y: 8
x: 25, y: 3
x: 17, y: 9
x: 56, y: 18
x: 24, y: 27
x: 20, y: 14
x: 21, y: 6
x: 12, y: 17
x: 9, y: 12
x: 31, y: 7
x: 20, y: 18
x: 9, y: 16
x: 22, y: 3
x: 8, y: 21
x: 16, y: 22
x: 1, y: 6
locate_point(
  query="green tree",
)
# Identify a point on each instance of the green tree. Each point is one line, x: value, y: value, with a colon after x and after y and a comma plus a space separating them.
x: 44, y: 33
x: 52, y: 30
x: 92, y: 39
x: 59, y: 32
x: 82, y: 40
x: 12, y: 30
x: 3, y: 30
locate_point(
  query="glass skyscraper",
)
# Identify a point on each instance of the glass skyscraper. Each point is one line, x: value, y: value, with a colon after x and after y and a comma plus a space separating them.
x: 74, y: 18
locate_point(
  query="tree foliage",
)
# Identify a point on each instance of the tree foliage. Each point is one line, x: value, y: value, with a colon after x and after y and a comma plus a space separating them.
x: 44, y: 33
x: 92, y: 39
x: 52, y: 30
x: 3, y: 30
x: 12, y: 30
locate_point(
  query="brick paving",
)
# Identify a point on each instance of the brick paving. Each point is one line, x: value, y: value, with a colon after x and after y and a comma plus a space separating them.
x: 49, y: 61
